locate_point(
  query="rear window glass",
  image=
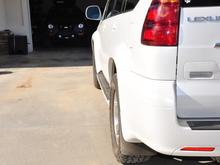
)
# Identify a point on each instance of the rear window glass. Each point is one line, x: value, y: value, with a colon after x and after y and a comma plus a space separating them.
x: 200, y: 3
x: 130, y: 4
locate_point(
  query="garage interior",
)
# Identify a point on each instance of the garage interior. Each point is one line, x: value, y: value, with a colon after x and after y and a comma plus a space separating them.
x: 31, y: 18
x: 64, y: 16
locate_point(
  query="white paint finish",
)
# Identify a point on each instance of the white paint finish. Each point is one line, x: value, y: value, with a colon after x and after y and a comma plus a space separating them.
x: 148, y: 111
x: 2, y: 15
x: 147, y: 80
x: 18, y: 19
x: 198, y: 98
x: 124, y: 31
x: 151, y: 62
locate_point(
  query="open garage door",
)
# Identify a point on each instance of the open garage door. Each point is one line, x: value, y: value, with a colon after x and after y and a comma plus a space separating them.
x: 47, y: 21
x: 62, y: 22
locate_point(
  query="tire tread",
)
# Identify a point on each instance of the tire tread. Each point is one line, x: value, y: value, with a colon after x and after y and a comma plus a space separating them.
x: 122, y: 157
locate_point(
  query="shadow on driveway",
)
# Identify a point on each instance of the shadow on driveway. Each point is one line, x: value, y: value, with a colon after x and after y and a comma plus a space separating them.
x: 55, y: 57
x: 165, y: 160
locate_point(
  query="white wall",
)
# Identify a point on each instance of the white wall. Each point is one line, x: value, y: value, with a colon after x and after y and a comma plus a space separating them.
x: 2, y: 15
x: 17, y: 14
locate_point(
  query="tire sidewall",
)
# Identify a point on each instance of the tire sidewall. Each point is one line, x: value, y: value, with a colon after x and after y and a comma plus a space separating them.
x: 114, y: 93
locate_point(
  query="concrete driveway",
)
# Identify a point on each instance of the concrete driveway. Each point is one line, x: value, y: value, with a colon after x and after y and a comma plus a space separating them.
x: 50, y: 113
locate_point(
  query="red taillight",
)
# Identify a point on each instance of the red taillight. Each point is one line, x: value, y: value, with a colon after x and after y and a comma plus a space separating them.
x: 162, y: 23
x: 204, y: 149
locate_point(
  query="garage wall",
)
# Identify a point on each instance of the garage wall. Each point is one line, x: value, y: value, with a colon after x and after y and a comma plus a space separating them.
x: 2, y: 15
x: 17, y: 16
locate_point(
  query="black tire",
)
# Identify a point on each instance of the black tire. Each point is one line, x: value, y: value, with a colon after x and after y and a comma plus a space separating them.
x: 95, y: 79
x: 121, y: 147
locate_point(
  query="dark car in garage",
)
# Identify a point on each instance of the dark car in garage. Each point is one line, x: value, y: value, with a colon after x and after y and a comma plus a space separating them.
x: 66, y: 22
x: 62, y: 22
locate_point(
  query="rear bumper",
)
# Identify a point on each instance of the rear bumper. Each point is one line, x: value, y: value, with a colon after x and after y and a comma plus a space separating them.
x: 148, y: 111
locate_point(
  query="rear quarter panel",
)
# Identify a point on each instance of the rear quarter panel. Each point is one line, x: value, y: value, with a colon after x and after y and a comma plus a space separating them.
x: 148, y: 61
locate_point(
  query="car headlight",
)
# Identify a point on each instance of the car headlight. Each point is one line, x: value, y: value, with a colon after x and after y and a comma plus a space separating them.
x: 81, y: 26
x: 50, y: 26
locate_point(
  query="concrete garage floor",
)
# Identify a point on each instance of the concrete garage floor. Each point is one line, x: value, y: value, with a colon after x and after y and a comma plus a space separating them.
x: 50, y: 113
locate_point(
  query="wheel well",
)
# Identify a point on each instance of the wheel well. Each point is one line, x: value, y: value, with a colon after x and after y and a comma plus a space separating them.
x: 112, y: 69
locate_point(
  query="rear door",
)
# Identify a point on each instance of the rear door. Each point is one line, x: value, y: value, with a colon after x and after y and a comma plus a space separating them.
x: 198, y: 73
x: 108, y: 30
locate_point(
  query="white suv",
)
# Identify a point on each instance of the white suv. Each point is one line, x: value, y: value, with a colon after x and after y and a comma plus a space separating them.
x: 157, y: 62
